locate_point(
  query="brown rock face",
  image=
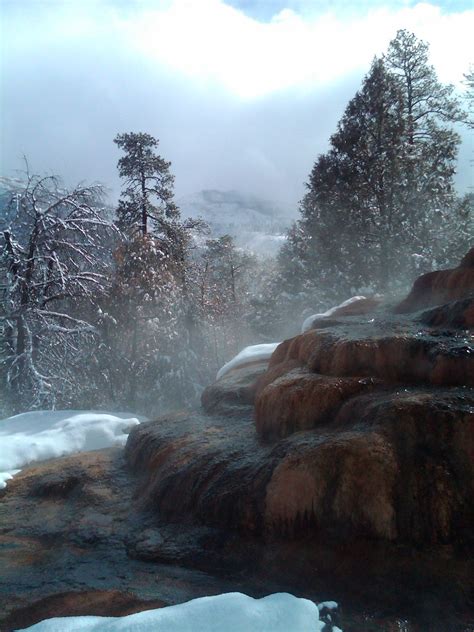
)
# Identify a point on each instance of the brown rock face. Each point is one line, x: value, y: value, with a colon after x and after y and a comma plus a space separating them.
x: 65, y: 529
x: 82, y: 544
x: 392, y: 352
x: 435, y: 288
x: 367, y: 429
x: 458, y: 314
x: 300, y: 400
x: 468, y: 260
x: 395, y: 465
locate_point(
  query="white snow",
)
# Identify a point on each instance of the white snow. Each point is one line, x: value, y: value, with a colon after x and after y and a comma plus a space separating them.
x: 330, y: 605
x: 45, y: 434
x: 308, y: 323
x: 231, y: 612
x: 254, y: 353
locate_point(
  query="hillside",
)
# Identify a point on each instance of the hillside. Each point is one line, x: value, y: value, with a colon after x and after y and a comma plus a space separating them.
x: 256, y: 224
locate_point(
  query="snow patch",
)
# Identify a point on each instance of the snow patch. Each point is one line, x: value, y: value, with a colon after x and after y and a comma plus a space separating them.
x: 45, y: 434
x: 254, y: 353
x: 231, y: 612
x: 309, y: 322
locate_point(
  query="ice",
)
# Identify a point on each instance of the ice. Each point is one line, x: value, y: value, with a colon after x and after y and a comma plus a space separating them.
x: 45, y: 434
x: 308, y: 323
x: 253, y: 353
x: 231, y: 612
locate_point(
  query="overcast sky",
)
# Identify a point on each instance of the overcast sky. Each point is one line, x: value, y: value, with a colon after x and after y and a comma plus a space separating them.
x: 243, y: 94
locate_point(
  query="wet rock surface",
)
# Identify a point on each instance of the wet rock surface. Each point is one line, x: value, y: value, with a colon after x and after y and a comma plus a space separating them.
x: 65, y: 531
x: 97, y: 549
x: 396, y: 466
x: 458, y: 314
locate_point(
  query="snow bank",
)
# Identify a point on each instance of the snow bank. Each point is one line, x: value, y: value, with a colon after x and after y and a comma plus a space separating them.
x: 45, y: 434
x: 254, y: 353
x: 308, y: 323
x: 232, y: 612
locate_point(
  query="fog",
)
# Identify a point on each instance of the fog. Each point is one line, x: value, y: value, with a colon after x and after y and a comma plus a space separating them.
x: 241, y: 97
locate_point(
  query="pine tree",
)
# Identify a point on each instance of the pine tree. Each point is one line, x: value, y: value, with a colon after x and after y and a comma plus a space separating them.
x: 431, y: 144
x: 381, y: 200
x: 224, y: 289
x: 152, y: 301
x: 469, y: 96
x: 350, y: 210
x: 147, y: 200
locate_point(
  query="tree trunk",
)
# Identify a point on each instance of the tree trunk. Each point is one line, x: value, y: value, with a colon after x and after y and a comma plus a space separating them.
x: 133, y: 363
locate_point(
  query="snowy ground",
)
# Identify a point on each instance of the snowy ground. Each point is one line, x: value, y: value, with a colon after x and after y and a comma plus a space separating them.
x: 309, y: 322
x: 45, y: 434
x: 254, y: 353
x: 231, y: 612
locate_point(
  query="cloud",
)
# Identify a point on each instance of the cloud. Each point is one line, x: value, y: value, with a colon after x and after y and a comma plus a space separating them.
x: 237, y: 101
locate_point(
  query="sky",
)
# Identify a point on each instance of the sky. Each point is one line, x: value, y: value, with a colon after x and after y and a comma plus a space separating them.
x: 242, y: 94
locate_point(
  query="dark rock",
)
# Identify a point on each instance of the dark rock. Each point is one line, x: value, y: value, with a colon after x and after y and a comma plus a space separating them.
x: 391, y: 351
x: 458, y: 314
x: 468, y: 260
x: 441, y: 286
x: 63, y: 546
x: 234, y: 389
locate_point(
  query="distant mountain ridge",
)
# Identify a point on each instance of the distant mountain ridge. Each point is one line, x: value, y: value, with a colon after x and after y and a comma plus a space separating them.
x: 256, y: 224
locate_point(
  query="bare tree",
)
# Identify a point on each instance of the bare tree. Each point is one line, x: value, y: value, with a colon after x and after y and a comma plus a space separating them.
x: 55, y: 250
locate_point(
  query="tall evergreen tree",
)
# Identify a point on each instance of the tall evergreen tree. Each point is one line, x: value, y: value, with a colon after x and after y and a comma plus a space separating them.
x: 350, y: 210
x: 379, y: 201
x: 147, y: 200
x: 469, y: 96
x: 431, y: 144
x: 151, y: 301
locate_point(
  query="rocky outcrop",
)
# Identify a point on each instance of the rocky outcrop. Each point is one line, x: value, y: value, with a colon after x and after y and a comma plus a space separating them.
x: 234, y: 389
x: 395, y: 351
x: 442, y: 286
x: 395, y: 465
x: 344, y: 421
x: 77, y: 604
x: 78, y: 535
x: 300, y: 400
x: 458, y: 314
x: 66, y: 527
